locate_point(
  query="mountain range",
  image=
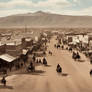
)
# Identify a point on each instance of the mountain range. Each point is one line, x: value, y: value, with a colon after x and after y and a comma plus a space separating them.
x: 45, y: 19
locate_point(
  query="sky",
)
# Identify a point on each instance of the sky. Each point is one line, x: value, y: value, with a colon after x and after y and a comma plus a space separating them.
x: 64, y: 7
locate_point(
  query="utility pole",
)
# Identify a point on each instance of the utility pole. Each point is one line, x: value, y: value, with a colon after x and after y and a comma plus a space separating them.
x: 25, y: 28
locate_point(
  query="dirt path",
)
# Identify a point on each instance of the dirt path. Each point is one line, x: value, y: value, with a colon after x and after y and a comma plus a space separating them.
x: 75, y: 75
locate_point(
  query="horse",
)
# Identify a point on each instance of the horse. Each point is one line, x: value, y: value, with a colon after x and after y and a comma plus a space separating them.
x: 40, y: 61
x: 37, y: 61
x: 34, y: 58
x: 50, y: 53
x: 76, y: 56
x: 70, y: 49
x: 91, y: 72
x: 58, y: 46
x: 44, y: 61
x: 62, y: 47
x: 31, y: 67
x: 59, y: 69
x: 90, y: 61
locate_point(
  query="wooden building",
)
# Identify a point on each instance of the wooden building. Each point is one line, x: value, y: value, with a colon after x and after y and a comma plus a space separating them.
x: 2, y: 49
x: 77, y: 38
x: 14, y: 49
x: 7, y: 61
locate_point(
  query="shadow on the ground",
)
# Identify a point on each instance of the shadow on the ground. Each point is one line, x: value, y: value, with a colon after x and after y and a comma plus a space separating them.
x: 47, y: 65
x: 63, y: 74
x: 37, y: 72
x: 81, y: 60
x: 6, y: 87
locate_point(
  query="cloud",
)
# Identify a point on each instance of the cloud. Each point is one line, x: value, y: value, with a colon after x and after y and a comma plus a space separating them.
x: 13, y: 12
x: 13, y: 6
x: 85, y: 11
x: 30, y: 4
x: 75, y: 7
x: 15, y: 3
x: 75, y: 1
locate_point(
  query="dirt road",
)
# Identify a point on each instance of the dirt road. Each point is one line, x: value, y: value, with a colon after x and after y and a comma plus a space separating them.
x: 75, y: 77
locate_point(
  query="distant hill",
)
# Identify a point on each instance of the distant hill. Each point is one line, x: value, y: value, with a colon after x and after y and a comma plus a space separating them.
x: 44, y: 19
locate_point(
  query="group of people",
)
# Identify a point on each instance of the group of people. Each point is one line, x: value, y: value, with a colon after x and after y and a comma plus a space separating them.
x: 59, y: 46
x: 43, y: 61
x: 31, y: 67
x: 76, y: 56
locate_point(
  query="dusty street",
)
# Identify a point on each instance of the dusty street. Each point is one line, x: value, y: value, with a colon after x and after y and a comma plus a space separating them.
x: 75, y: 77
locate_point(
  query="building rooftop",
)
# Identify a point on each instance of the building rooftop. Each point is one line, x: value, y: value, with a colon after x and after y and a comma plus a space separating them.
x: 13, y: 43
x: 7, y: 57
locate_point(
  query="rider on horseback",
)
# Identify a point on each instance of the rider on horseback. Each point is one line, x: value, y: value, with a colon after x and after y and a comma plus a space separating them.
x: 31, y: 67
x: 62, y: 47
x: 59, y: 69
x: 78, y: 56
x: 90, y: 72
x: 44, y: 61
x: 50, y: 53
x: 74, y: 55
x: 3, y: 81
x: 34, y: 58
